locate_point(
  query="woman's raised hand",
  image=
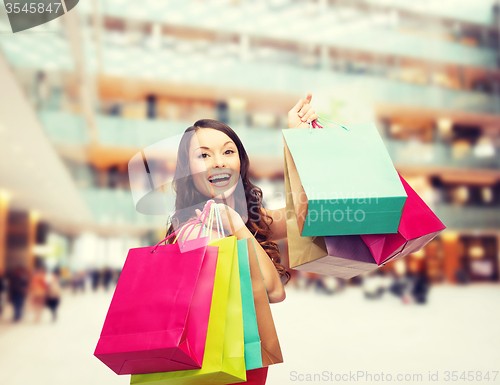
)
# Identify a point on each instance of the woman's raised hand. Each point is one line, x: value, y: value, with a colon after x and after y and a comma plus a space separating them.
x: 302, y: 113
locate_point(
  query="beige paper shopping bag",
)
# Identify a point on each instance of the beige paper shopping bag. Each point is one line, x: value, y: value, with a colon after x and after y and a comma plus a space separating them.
x: 344, y: 256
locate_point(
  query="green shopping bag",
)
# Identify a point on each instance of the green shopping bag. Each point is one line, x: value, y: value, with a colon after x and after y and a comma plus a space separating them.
x: 343, y: 181
x: 223, y: 360
x: 253, y: 355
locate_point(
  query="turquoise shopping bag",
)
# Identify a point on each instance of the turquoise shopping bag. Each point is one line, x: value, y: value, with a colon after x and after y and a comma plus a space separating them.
x: 253, y: 355
x: 343, y: 181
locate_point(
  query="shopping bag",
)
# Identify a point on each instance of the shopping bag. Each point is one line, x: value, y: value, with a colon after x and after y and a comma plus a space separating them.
x: 343, y: 181
x: 418, y: 226
x: 159, y: 313
x: 270, y: 346
x: 223, y: 361
x: 253, y: 355
x: 343, y: 256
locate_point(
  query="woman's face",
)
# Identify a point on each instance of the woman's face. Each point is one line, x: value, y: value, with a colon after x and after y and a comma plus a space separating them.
x: 214, y: 162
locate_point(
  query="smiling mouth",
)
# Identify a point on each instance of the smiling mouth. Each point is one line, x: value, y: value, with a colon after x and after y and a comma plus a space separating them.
x: 219, y: 180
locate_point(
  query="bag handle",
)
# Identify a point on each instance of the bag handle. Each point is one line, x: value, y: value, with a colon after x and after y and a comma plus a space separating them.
x: 218, y: 218
x: 180, y: 232
x: 203, y: 214
x: 316, y: 124
x: 212, y: 211
x: 209, y: 212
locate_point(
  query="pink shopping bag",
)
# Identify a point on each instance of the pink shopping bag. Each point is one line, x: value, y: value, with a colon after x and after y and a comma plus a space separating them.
x: 418, y: 226
x: 158, y: 318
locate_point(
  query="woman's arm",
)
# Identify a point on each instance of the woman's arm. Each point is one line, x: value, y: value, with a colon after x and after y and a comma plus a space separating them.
x: 278, y: 223
x: 298, y: 117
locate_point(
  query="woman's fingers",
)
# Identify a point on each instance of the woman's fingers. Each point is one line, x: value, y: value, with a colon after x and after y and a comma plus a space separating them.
x: 208, y: 203
x: 304, y: 110
x: 302, y: 113
x: 310, y: 116
x: 302, y: 103
x: 298, y: 106
x: 223, y: 208
x: 199, y: 212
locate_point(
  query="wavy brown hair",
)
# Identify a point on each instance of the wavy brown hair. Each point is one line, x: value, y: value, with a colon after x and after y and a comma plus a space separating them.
x: 192, y: 199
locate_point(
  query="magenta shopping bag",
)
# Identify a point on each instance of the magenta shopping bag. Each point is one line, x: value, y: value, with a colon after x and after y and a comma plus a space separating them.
x: 158, y: 318
x: 418, y: 226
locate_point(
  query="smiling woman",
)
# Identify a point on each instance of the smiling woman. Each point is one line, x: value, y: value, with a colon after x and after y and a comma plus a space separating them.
x: 213, y: 164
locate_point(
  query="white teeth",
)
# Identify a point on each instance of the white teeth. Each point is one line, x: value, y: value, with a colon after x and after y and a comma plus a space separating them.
x: 221, y: 176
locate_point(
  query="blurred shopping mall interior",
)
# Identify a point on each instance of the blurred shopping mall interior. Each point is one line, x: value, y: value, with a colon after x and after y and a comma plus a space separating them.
x: 82, y: 94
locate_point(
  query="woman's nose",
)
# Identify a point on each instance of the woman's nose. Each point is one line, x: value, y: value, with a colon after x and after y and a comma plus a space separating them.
x: 218, y: 162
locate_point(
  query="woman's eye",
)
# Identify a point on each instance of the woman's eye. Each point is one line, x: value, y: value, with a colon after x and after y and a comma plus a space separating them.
x: 229, y: 152
x: 204, y: 155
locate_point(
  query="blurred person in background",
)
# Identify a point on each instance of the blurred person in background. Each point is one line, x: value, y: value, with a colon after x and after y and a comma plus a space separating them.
x: 95, y: 276
x: 461, y: 276
x: 304, y: 280
x: 38, y: 291
x: 117, y: 276
x: 402, y: 286
x: 54, y: 293
x: 387, y: 279
x: 18, y: 289
x: 330, y: 285
x: 78, y: 282
x: 420, y: 288
x: 373, y: 285
x: 2, y: 289
x: 421, y: 283
x: 107, y: 277
x: 42, y: 90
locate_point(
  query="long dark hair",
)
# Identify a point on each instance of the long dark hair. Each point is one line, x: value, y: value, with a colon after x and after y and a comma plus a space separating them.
x: 192, y: 198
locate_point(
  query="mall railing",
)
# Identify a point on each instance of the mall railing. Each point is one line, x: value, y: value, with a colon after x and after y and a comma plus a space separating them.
x: 476, y: 12
x: 116, y: 207
x: 413, y: 153
x: 64, y: 127
x: 383, y: 37
x: 266, y: 75
x: 140, y: 133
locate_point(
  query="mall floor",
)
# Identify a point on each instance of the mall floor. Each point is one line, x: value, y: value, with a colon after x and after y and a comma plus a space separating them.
x: 340, y: 338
